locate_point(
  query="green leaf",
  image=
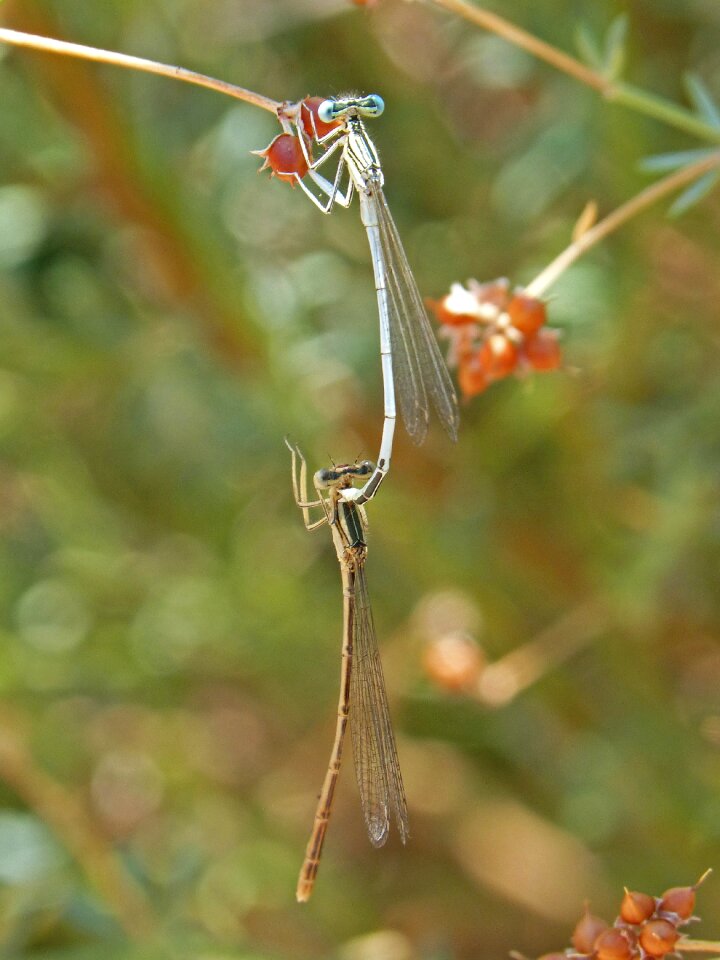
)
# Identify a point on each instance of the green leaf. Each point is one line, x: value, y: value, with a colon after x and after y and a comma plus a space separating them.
x: 615, y: 42
x: 588, y: 47
x: 694, y: 193
x: 663, y: 162
x: 701, y: 99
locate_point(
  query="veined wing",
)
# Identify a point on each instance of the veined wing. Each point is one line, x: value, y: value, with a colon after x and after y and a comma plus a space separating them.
x: 419, y: 369
x: 374, y: 751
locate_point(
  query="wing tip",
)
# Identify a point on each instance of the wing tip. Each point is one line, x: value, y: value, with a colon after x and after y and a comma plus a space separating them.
x: 452, y: 429
x: 378, y: 831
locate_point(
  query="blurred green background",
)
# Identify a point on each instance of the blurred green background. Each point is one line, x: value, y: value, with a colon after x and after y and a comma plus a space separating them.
x: 170, y: 633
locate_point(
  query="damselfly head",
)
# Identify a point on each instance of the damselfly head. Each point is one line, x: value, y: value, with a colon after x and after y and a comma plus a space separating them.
x: 328, y: 477
x: 343, y: 474
x: 338, y: 107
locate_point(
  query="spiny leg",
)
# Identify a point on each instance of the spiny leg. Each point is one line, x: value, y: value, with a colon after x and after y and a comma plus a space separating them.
x: 331, y: 190
x: 300, y: 492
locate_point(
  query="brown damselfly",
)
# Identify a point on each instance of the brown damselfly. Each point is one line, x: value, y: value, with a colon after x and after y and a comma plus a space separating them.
x: 363, y: 700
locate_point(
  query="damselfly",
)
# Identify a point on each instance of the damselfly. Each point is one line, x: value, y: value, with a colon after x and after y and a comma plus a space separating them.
x: 411, y: 358
x: 363, y: 700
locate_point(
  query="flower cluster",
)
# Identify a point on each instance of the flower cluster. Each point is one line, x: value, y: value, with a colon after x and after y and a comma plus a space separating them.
x: 494, y: 332
x: 646, y: 928
x: 286, y: 157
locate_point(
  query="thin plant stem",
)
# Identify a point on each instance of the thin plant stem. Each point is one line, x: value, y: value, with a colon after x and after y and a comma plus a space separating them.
x: 526, y: 41
x: 613, y: 90
x: 64, y: 48
x: 618, y: 218
x: 70, y: 821
x: 502, y: 681
x: 699, y: 946
x: 670, y: 113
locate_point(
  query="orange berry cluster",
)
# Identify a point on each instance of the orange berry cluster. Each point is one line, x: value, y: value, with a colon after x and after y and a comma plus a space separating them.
x: 494, y: 333
x: 284, y: 156
x: 646, y: 928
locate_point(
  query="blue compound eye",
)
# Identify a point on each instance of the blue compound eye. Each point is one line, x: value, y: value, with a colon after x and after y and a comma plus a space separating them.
x: 326, y: 111
x: 376, y: 104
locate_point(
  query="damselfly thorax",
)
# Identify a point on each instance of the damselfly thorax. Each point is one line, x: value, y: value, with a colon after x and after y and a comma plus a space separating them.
x: 361, y: 157
x: 347, y: 519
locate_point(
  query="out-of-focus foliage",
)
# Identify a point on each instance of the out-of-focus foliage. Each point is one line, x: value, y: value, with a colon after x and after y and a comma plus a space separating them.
x: 170, y: 632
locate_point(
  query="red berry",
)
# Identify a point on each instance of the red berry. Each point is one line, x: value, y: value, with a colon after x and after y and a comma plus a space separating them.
x: 636, y: 907
x: 526, y: 313
x: 313, y: 126
x: 284, y: 157
x: 472, y: 378
x: 498, y: 356
x: 495, y: 293
x: 542, y: 351
x: 614, y: 944
x: 447, y: 316
x: 678, y: 900
x: 587, y: 930
x: 453, y: 662
x: 658, y: 937
x: 458, y: 307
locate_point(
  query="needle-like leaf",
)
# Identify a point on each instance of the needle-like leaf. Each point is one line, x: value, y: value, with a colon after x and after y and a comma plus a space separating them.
x: 663, y: 162
x: 702, y: 100
x: 694, y: 193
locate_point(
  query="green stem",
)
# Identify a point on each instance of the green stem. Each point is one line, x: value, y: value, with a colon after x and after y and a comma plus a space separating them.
x: 653, y: 106
x: 615, y: 91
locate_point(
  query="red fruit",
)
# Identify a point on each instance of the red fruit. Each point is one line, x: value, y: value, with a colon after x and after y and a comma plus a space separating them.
x: 614, y: 944
x: 284, y: 157
x: 313, y: 126
x: 678, y: 900
x: 495, y: 293
x: 526, y: 313
x: 472, y: 378
x: 542, y: 351
x: 458, y: 307
x: 453, y: 662
x: 498, y: 356
x: 658, y: 937
x: 636, y: 907
x: 587, y: 930
x: 444, y: 313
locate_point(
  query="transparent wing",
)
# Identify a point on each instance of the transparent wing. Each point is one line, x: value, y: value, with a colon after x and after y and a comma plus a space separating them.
x: 376, y: 761
x: 419, y: 369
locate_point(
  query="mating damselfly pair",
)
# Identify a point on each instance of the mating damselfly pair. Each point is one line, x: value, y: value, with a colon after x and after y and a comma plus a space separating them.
x: 413, y: 366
